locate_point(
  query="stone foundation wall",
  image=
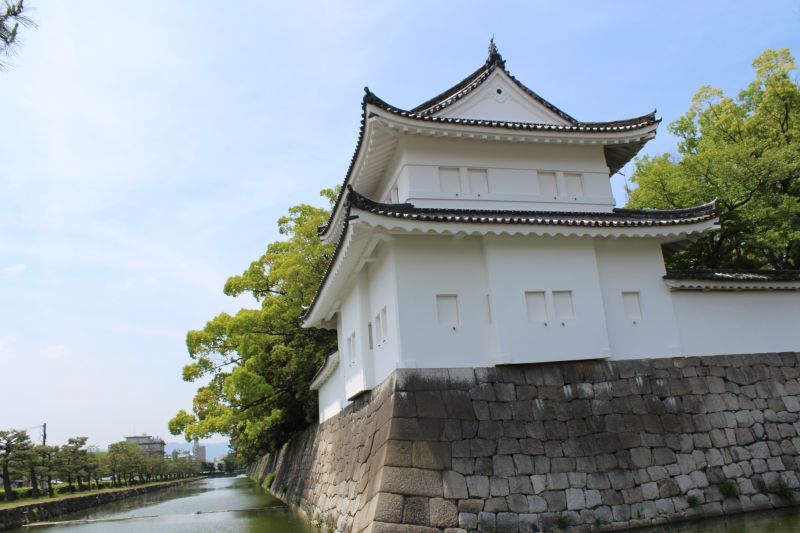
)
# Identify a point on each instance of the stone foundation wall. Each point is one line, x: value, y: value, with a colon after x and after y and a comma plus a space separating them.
x: 589, y: 445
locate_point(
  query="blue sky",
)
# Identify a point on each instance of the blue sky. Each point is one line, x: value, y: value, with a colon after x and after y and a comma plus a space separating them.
x: 149, y: 147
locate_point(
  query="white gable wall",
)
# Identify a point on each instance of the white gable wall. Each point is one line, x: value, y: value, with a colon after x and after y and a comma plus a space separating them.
x: 499, y: 98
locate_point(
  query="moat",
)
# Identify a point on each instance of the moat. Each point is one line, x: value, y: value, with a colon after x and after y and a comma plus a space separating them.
x: 228, y: 504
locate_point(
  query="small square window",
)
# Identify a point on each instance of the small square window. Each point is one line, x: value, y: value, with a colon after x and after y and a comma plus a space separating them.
x: 632, y: 305
x: 562, y: 302
x: 447, y: 309
x: 536, y: 305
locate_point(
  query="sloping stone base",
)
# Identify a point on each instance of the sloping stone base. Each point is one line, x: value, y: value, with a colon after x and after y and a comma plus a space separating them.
x: 594, y: 445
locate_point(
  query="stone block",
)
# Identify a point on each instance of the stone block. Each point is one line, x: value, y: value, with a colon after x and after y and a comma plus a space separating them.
x: 416, y: 510
x: 650, y: 491
x: 503, y: 465
x: 507, y: 523
x: 664, y: 456
x: 498, y: 486
x: 556, y: 500
x: 432, y: 455
x: 398, y: 453
x: 557, y: 481
x: 478, y: 486
x: 470, y: 506
x: 523, y: 464
x: 536, y: 504
x: 505, y: 392
x: 597, y: 481
x: 528, y: 523
x: 467, y: 521
x: 388, y: 507
x: 539, y: 482
x: 411, y: 481
x: 517, y: 503
x: 562, y: 464
x: 641, y: 457
x: 507, y: 445
x: 454, y: 485
x: 443, y: 513
x: 483, y: 466
x: 458, y: 405
x: 483, y: 391
x: 520, y: 485
x: 576, y: 499
x: 464, y: 465
x: 487, y: 522
x: 482, y: 447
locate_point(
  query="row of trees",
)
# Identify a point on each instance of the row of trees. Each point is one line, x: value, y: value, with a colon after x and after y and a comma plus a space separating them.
x: 745, y: 152
x: 78, y: 467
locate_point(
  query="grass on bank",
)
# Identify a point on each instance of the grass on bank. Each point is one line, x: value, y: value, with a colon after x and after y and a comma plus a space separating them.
x: 58, y: 497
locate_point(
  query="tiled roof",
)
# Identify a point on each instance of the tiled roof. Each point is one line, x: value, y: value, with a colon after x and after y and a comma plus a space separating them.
x: 458, y: 91
x: 579, y: 127
x: 615, y: 218
x: 734, y: 275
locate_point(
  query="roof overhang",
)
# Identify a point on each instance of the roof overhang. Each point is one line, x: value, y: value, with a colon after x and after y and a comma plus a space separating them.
x: 383, y: 129
x: 733, y: 280
x: 327, y: 370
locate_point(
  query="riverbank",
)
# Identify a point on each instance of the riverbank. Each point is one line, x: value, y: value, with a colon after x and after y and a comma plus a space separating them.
x: 19, y: 515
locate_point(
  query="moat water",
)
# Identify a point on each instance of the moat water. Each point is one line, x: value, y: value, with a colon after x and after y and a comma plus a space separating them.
x: 225, y: 505
x: 237, y: 505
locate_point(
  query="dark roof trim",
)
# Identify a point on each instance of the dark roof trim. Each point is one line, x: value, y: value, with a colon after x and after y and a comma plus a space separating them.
x: 734, y: 275
x: 615, y: 218
x: 458, y: 91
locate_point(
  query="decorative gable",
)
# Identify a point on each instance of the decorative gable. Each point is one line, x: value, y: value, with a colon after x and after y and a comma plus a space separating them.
x: 501, y: 98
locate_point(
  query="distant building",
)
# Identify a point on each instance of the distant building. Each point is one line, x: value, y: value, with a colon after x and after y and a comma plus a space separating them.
x: 148, y: 445
x: 199, y: 451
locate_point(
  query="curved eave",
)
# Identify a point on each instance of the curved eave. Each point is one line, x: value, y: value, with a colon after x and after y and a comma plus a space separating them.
x: 749, y: 285
x: 664, y: 231
x: 369, y: 217
x: 381, y: 126
x: 324, y: 373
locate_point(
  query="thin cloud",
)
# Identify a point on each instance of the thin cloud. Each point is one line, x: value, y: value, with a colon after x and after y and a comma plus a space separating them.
x: 19, y: 268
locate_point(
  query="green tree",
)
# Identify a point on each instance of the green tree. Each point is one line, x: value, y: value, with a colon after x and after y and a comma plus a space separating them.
x: 745, y: 152
x: 12, y: 17
x: 71, y: 461
x: 260, y: 361
x: 14, y: 445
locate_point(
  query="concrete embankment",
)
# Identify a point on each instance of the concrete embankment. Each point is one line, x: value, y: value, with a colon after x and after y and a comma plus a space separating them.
x: 37, y: 511
x: 583, y: 446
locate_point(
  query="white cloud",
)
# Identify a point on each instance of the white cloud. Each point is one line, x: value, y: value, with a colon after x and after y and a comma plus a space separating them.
x: 54, y: 351
x: 19, y: 268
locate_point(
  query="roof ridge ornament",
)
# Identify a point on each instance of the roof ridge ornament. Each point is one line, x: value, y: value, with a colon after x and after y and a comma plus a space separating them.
x: 494, y: 55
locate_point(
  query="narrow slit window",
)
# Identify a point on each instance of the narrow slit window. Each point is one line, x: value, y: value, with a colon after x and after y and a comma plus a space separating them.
x: 394, y: 196
x: 449, y: 180
x: 384, y: 325
x: 632, y: 305
x: 536, y: 306
x: 489, y: 308
x: 447, y: 309
x: 351, y: 349
x: 562, y: 302
x: 547, y: 184
x: 369, y: 334
x: 574, y: 184
x: 478, y: 181
x: 378, y: 328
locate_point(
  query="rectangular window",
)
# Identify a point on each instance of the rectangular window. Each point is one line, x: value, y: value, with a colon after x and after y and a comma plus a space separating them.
x: 369, y: 334
x: 632, y: 305
x: 536, y: 305
x: 384, y: 325
x: 548, y: 186
x: 489, y: 308
x: 478, y: 181
x: 574, y: 185
x: 562, y: 302
x: 447, y: 309
x: 449, y: 180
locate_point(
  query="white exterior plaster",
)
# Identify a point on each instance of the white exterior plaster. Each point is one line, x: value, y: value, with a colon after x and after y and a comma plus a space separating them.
x: 729, y: 322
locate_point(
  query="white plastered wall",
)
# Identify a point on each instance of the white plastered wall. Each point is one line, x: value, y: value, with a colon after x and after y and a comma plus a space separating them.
x: 636, y: 267
x: 332, y: 395
x: 728, y: 322
x: 513, y: 175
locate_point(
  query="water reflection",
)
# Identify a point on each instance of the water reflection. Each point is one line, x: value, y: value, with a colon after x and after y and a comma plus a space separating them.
x: 229, y: 505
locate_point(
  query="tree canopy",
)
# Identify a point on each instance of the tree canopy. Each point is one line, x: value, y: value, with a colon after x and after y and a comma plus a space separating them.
x: 745, y: 152
x: 12, y: 16
x: 260, y: 362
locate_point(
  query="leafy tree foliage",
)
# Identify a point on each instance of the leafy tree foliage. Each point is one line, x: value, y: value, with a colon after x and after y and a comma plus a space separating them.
x: 14, y: 448
x: 260, y: 362
x: 12, y: 16
x: 746, y: 153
